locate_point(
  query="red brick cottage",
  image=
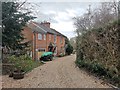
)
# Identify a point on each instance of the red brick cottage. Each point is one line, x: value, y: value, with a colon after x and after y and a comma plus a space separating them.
x: 41, y: 35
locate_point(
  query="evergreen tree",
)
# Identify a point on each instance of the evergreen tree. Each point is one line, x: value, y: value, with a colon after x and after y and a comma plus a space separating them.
x: 13, y: 22
x: 69, y: 49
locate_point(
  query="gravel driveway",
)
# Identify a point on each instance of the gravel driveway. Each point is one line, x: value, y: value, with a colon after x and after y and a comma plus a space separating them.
x: 59, y: 73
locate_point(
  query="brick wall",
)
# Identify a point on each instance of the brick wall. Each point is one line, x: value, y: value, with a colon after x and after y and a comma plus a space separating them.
x: 28, y: 35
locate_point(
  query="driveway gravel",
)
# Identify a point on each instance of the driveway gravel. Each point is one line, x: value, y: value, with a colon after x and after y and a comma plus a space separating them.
x: 59, y: 73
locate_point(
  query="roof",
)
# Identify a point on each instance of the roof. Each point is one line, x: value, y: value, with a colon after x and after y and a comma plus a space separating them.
x: 58, y: 33
x: 36, y: 27
x: 48, y: 30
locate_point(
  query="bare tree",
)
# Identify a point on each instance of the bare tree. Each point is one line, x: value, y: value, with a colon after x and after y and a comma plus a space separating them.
x: 107, y: 12
x: 84, y: 23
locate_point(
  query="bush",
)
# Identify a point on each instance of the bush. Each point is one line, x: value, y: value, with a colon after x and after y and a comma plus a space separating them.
x: 24, y: 62
x: 93, y: 67
x: 98, y: 51
x: 69, y: 49
x: 61, y: 55
x: 100, y: 70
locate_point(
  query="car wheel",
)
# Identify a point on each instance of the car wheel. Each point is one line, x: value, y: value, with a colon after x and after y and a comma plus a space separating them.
x: 51, y: 58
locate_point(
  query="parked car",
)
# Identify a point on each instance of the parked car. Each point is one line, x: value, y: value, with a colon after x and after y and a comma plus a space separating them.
x: 46, y: 56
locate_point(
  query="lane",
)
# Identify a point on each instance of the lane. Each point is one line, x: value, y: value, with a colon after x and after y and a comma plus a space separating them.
x: 59, y: 73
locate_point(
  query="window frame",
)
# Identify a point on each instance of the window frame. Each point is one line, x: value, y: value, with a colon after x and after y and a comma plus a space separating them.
x: 61, y: 39
x: 41, y: 49
x: 40, y: 36
x: 50, y: 36
x: 44, y: 37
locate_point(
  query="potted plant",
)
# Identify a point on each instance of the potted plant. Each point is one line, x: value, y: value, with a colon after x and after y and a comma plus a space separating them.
x: 18, y: 73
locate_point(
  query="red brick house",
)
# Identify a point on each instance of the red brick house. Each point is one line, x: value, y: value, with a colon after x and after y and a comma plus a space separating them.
x: 41, y: 35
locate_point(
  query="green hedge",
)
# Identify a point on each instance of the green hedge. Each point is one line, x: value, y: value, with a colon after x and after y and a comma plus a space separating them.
x: 98, y: 51
x: 100, y: 70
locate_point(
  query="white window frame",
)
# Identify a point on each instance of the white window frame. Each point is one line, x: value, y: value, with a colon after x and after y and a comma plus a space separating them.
x: 61, y: 39
x: 50, y: 36
x: 44, y: 36
x: 40, y: 36
x: 55, y: 53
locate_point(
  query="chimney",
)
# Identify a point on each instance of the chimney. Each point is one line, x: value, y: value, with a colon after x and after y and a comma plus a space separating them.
x: 46, y: 24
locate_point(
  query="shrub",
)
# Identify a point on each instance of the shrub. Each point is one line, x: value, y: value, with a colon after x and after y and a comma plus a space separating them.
x: 61, y: 55
x: 100, y: 70
x: 98, y: 51
x: 93, y: 67
x: 24, y: 62
x: 69, y: 49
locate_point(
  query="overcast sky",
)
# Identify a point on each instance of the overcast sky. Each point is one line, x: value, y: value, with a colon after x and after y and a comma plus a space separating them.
x: 60, y: 14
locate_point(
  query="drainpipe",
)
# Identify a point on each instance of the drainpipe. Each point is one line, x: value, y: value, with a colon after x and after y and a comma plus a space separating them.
x: 46, y: 43
x: 34, y: 45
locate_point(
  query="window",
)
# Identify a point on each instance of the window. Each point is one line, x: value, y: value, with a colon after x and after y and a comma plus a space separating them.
x: 61, y: 41
x: 55, y: 38
x: 41, y: 50
x: 44, y: 36
x: 39, y: 36
x: 50, y: 36
x: 55, y: 51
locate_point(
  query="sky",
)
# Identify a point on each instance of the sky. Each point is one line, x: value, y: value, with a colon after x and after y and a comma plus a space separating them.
x: 61, y: 14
